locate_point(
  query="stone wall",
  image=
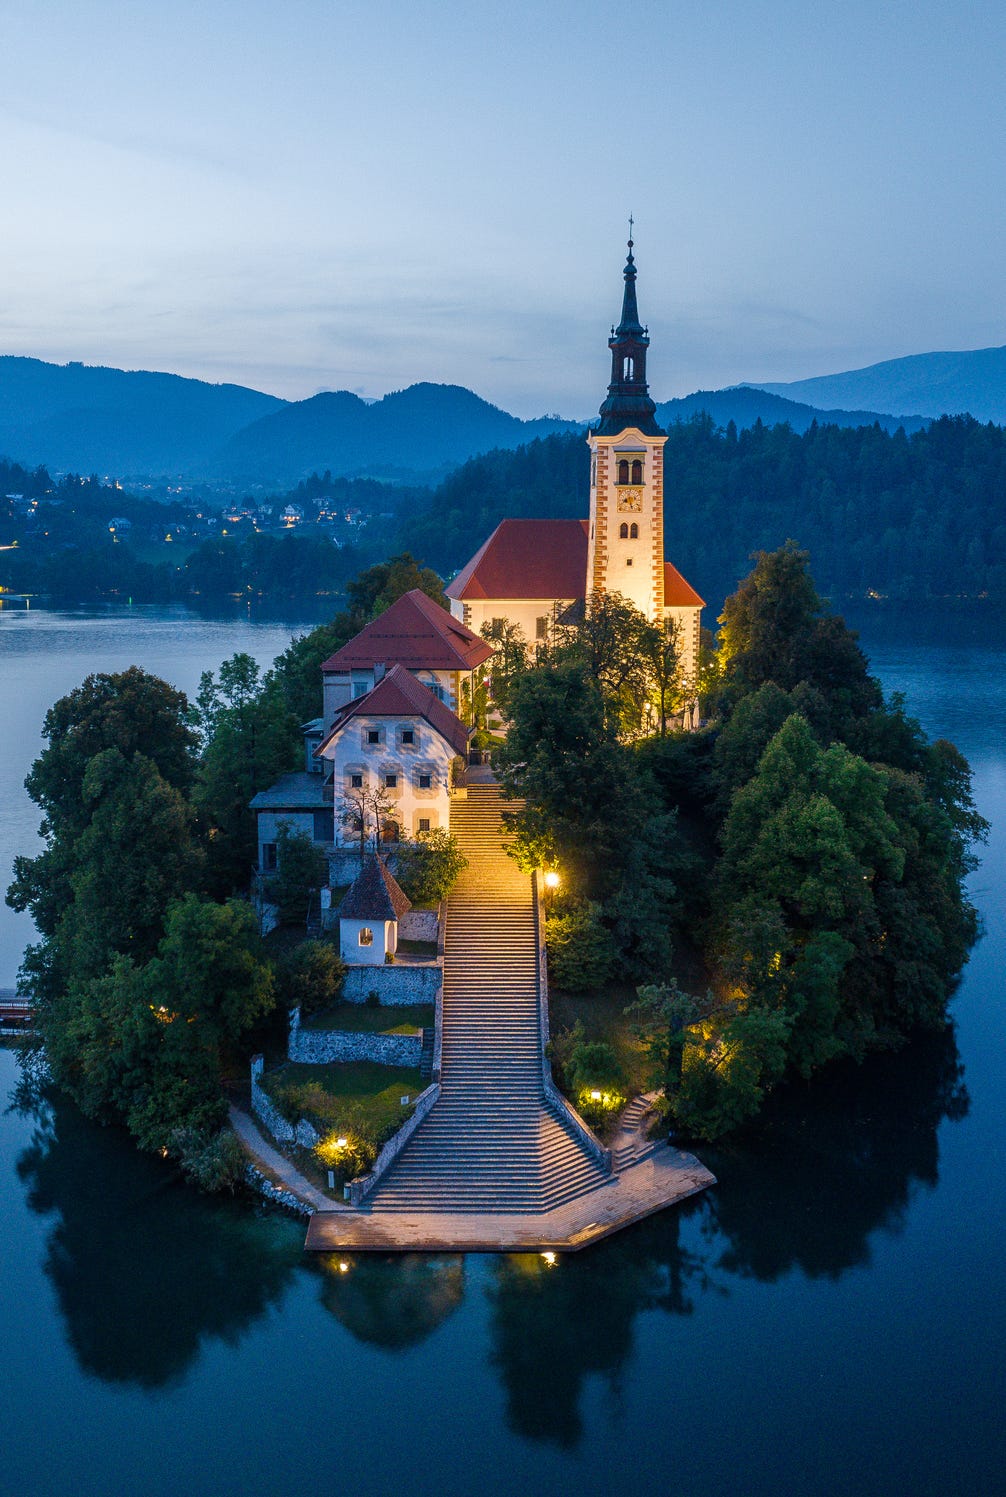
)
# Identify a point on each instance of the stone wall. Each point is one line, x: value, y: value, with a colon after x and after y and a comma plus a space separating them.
x: 397, y: 983
x: 318, y: 1047
x: 304, y: 1133
x: 419, y: 925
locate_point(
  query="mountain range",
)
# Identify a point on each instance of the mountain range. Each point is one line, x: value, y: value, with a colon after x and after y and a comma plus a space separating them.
x: 136, y: 423
x: 930, y: 384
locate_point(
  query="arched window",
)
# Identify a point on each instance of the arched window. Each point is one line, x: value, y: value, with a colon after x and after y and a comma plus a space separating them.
x: 628, y: 364
x: 623, y: 470
x: 623, y: 532
x: 637, y: 470
x: 390, y: 832
x: 634, y: 532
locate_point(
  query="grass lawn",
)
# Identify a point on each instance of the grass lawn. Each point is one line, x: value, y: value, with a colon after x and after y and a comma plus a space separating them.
x: 359, y: 1096
x: 369, y: 1018
x: 603, y: 1018
x: 418, y: 948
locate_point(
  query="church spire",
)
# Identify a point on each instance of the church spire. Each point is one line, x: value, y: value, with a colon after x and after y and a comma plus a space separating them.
x: 628, y: 402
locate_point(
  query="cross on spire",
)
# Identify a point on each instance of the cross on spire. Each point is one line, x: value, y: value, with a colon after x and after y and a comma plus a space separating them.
x: 631, y: 222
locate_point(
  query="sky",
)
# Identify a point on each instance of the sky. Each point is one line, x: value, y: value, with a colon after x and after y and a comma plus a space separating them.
x: 325, y: 195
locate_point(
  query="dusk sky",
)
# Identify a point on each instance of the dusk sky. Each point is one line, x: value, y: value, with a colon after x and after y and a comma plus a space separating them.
x: 343, y: 195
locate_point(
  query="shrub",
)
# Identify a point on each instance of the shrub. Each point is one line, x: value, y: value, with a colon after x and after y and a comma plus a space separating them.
x: 581, y: 952
x: 214, y: 1162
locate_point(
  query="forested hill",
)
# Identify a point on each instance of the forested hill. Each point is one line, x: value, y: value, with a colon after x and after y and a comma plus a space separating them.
x: 919, y: 516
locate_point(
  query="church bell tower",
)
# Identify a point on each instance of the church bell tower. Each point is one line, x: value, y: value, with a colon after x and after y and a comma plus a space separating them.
x: 625, y: 547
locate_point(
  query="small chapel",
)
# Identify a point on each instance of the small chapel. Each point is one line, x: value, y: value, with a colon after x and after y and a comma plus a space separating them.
x: 530, y: 572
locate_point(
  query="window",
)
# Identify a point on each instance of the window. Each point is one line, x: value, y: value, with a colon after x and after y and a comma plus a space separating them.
x: 623, y: 470
x: 628, y: 561
x: 425, y: 781
x: 424, y: 823
x: 360, y: 689
x: 623, y: 532
x: 628, y: 365
x: 366, y: 936
x: 541, y: 627
x: 323, y: 828
x: 391, y: 782
x: 637, y: 470
x: 390, y: 831
x: 356, y: 782
x: 269, y: 857
x: 408, y: 736
x: 498, y: 625
x: 634, y: 532
x: 373, y: 735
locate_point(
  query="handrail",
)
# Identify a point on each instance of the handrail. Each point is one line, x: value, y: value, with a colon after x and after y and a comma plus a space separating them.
x: 553, y: 1096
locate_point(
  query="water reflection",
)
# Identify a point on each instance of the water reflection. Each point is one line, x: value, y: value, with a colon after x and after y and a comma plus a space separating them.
x: 806, y: 1192
x: 392, y: 1302
x: 144, y: 1269
x: 833, y: 1164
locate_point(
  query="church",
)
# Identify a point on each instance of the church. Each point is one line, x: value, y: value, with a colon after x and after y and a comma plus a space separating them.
x: 531, y: 571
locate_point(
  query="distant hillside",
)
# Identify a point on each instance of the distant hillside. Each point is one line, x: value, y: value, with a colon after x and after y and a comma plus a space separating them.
x: 934, y: 384
x: 912, y: 517
x: 745, y: 404
x: 426, y: 429
x: 90, y: 419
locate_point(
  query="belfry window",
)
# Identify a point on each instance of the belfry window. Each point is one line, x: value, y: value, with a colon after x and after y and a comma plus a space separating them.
x: 637, y: 470
x: 623, y: 532
x: 628, y: 367
x: 634, y: 532
x: 623, y: 470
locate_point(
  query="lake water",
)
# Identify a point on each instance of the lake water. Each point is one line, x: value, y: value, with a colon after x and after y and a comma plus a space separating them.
x: 828, y: 1320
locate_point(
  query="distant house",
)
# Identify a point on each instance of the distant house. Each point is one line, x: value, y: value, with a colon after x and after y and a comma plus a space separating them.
x: 416, y: 633
x: 392, y: 754
x: 302, y: 802
x: 369, y: 914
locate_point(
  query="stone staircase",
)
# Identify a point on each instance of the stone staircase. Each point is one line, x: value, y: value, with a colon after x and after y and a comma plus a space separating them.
x: 631, y: 1144
x: 490, y: 1144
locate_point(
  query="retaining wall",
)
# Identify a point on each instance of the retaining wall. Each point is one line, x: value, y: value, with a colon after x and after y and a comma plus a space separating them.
x: 395, y: 983
x: 318, y: 1047
x: 284, y: 1132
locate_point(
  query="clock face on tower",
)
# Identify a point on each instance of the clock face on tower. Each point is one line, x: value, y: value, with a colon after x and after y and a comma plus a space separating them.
x: 630, y: 499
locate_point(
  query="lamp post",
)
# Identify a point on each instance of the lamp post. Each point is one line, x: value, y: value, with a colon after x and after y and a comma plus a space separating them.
x: 551, y: 881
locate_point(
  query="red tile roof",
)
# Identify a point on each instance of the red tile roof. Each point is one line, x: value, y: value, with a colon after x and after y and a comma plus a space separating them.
x: 374, y: 894
x: 399, y: 694
x: 527, y: 559
x: 677, y: 592
x: 414, y: 632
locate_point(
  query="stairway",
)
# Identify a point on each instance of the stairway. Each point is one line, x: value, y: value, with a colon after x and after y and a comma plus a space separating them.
x: 490, y: 1143
x: 631, y: 1143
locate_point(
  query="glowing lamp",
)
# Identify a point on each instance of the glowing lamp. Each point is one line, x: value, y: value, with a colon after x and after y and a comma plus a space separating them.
x: 552, y: 879
x: 549, y: 1259
x: 344, y: 1267
x: 595, y: 1096
x: 340, y: 1143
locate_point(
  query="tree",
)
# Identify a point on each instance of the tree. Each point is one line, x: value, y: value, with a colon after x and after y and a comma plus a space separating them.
x: 310, y: 977
x: 297, y: 672
x: 379, y: 586
x: 614, y: 642
x: 130, y: 711
x: 251, y: 739
x: 363, y: 810
x: 581, y: 953
x: 301, y: 872
x: 510, y: 658
x: 662, y: 650
x: 427, y: 867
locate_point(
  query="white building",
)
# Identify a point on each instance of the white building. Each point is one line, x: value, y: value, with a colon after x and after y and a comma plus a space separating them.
x: 392, y: 756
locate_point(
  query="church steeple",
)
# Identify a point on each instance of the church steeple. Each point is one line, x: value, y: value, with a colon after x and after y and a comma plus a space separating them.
x: 628, y: 403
